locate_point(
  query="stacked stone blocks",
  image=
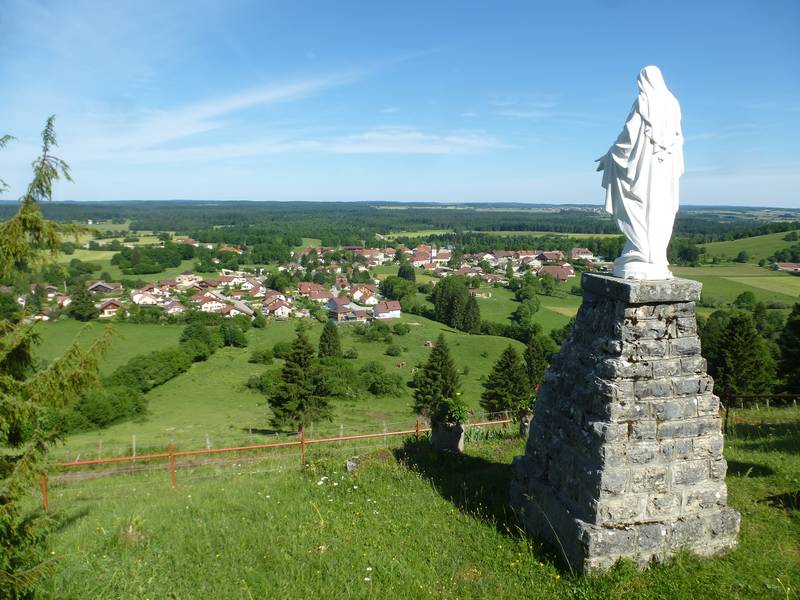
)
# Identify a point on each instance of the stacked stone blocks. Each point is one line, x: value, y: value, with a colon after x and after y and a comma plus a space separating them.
x: 624, y: 456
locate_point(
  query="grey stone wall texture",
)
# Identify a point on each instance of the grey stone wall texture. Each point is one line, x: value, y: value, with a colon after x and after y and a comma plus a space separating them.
x: 624, y: 454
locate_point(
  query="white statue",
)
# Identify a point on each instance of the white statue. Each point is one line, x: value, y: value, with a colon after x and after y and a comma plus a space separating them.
x: 640, y: 174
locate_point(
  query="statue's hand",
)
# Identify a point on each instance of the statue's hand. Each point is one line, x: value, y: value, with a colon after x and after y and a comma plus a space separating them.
x: 601, y: 163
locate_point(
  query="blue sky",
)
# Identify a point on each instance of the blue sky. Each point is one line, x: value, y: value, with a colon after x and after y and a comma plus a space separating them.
x: 395, y: 101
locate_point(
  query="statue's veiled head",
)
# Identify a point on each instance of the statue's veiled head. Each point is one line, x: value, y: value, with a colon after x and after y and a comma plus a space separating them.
x: 651, y: 79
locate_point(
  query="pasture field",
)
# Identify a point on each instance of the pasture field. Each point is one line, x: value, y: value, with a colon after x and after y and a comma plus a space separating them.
x: 383, y: 271
x: 533, y: 232
x: 416, y: 234
x: 211, y: 398
x: 128, y: 339
x: 405, y: 524
x: 725, y: 282
x: 103, y: 259
x: 758, y: 247
x: 306, y: 242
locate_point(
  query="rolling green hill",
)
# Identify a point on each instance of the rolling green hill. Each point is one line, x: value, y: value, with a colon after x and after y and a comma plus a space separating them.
x: 758, y: 247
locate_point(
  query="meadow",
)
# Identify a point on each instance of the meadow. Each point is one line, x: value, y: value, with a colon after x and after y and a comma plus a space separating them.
x: 211, y: 401
x: 725, y: 282
x: 757, y: 247
x: 405, y: 524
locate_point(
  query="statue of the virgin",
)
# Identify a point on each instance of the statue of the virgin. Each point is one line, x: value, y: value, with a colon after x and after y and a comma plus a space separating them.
x: 641, y: 172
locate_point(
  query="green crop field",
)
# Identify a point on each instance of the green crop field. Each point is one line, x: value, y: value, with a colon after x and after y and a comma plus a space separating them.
x: 758, y: 247
x: 405, y: 524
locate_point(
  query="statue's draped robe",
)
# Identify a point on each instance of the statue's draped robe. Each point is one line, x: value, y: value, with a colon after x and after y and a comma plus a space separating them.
x: 641, y: 174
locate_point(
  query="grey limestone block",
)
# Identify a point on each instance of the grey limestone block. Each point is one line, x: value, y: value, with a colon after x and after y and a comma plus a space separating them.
x: 624, y: 454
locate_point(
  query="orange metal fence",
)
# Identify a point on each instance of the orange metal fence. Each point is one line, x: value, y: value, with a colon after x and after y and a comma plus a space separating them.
x: 171, y: 455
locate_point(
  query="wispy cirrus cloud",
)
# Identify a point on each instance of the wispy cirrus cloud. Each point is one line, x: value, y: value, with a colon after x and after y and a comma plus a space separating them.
x: 377, y: 141
x: 157, y: 127
x: 538, y: 107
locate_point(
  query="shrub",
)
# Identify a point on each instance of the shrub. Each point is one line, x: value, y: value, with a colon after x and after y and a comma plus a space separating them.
x: 104, y: 406
x: 261, y: 356
x: 197, y: 350
x: 281, y: 349
x: 378, y: 331
x: 393, y: 350
x: 146, y: 371
x: 350, y: 353
x: 378, y: 382
x: 340, y: 379
x: 232, y: 335
x: 401, y: 328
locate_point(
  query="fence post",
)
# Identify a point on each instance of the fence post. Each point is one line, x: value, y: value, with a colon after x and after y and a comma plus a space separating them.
x: 417, y: 432
x: 133, y: 444
x: 100, y: 449
x: 385, y: 430
x: 341, y: 433
x: 767, y: 402
x: 172, y: 464
x: 43, y: 483
x: 302, y: 445
x: 208, y: 442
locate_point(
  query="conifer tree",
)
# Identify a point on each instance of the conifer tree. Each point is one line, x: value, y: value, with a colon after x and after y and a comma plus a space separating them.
x: 471, y: 321
x: 407, y: 271
x: 535, y: 361
x: 437, y: 395
x: 299, y: 398
x: 789, y: 343
x: 507, y: 387
x: 329, y: 344
x: 745, y: 363
x: 81, y: 305
x: 27, y: 395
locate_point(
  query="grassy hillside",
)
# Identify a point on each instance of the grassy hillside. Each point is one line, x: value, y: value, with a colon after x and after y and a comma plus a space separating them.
x: 211, y: 398
x: 758, y: 247
x: 127, y: 340
x: 406, y: 524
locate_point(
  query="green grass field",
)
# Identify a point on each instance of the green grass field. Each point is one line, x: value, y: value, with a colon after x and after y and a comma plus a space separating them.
x: 406, y: 524
x: 725, y: 282
x: 758, y: 247
x: 211, y: 398
x: 127, y: 339
x: 103, y: 259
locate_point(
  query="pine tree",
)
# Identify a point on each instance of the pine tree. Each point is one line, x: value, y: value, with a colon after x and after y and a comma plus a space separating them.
x: 437, y: 395
x: 299, y: 399
x: 81, y: 305
x: 789, y: 343
x: 471, y: 321
x: 745, y: 363
x: 535, y: 361
x: 507, y: 387
x: 407, y: 271
x: 27, y: 395
x: 329, y: 344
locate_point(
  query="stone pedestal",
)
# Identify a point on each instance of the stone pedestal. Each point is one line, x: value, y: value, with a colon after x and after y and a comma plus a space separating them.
x: 624, y: 455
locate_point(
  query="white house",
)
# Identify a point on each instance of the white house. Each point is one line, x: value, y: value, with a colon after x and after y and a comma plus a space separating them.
x: 390, y: 309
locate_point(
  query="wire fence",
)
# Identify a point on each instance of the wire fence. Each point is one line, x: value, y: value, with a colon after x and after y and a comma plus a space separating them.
x: 275, y: 452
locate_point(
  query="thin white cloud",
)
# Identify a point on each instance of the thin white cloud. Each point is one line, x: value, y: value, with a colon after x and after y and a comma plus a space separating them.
x: 371, y: 142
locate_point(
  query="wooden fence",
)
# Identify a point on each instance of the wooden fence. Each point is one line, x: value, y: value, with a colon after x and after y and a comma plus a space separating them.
x: 172, y: 456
